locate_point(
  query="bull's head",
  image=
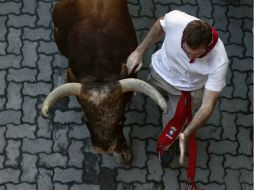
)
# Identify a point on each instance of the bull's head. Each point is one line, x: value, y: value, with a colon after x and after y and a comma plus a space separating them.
x: 104, y: 107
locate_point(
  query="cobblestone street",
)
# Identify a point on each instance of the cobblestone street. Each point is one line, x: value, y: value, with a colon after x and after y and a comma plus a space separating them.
x: 56, y: 153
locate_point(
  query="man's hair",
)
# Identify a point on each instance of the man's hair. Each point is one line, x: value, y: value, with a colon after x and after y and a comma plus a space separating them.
x: 197, y: 34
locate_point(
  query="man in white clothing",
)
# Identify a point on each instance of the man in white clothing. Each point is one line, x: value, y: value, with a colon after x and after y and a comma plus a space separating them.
x: 192, y: 58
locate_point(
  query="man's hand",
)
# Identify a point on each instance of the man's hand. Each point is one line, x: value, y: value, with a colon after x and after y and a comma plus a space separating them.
x: 134, y: 61
x: 182, y: 144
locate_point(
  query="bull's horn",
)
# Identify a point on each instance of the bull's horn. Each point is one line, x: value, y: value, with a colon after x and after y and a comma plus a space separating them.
x: 68, y: 89
x: 131, y: 84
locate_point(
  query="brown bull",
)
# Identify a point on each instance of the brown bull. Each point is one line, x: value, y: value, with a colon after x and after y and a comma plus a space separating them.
x: 97, y: 36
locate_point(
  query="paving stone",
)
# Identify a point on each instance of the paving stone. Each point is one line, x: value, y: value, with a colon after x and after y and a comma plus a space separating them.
x: 85, y: 186
x: 10, y: 61
x: 35, y: 89
x: 29, y: 168
x: 59, y: 186
x: 148, y: 186
x: 38, y: 145
x: 20, y: 131
x: 109, y: 161
x: 131, y: 175
x: 10, y: 7
x: 242, y: 65
x: 229, y: 126
x: 22, y: 75
x: 246, y: 176
x: 10, y: 117
x: 240, y: 86
x: 235, y: 30
x: 14, y: 96
x: 45, y: 179
x: 236, y: 105
x: 107, y: 179
x: 245, y: 142
x: 170, y: 179
x: 29, y: 6
x: 245, y: 120
x: 79, y: 132
x: 67, y: 117
x: 60, y: 61
x: 205, y: 8
x: 145, y: 132
x: 155, y: 115
x: 44, y: 14
x: 140, y: 158
x: 52, y: 160
x: 91, y: 168
x: 29, y: 115
x: 155, y: 171
x: 245, y: 11
x: 216, y: 167
x: 45, y: 128
x: 76, y: 156
x: 209, y: 132
x: 2, y: 139
x: 2, y: 158
x: 146, y: 8
x: 247, y: 186
x: 231, y: 179
x: 2, y: 82
x: 9, y: 175
x: 160, y: 10
x: 220, y: 17
x: 38, y: 33
x: 133, y: 10
x: 202, y: 155
x: 29, y: 53
x: 45, y: 69
x: 61, y: 141
x: 214, y: 119
x: 213, y: 186
x: 238, y: 162
x: 47, y: 47
x: 189, y: 9
x: 3, y: 29
x: 224, y: 147
x: 133, y: 118
x: 3, y: 46
x: 19, y: 21
x: 2, y: 103
x: 202, y: 175
x: 248, y: 37
x: 67, y: 175
x: 143, y: 24
x: 137, y: 102
x: 234, y: 50
x: 22, y: 186
x: 14, y: 41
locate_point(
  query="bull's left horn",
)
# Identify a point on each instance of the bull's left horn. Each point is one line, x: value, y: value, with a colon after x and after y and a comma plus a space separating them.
x: 68, y: 89
x: 131, y: 84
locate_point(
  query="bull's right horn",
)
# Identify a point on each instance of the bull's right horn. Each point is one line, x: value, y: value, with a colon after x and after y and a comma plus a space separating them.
x: 132, y: 84
x: 68, y: 89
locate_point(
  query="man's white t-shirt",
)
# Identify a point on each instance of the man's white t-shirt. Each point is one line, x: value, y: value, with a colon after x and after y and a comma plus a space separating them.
x: 172, y: 64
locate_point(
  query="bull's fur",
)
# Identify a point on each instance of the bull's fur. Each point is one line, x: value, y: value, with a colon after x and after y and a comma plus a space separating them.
x: 97, y: 36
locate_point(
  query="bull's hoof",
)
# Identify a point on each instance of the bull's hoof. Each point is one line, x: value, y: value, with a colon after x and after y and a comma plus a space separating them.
x: 124, y: 157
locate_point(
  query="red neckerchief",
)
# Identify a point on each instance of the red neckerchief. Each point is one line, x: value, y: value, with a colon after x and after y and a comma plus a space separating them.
x: 210, y: 47
x: 170, y: 134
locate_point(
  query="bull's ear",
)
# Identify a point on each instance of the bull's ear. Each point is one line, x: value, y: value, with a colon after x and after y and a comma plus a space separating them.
x: 124, y: 71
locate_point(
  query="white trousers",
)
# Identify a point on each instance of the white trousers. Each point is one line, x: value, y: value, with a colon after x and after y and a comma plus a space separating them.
x: 173, y: 94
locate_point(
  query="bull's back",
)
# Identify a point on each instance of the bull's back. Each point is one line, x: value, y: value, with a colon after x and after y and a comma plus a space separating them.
x: 93, y: 34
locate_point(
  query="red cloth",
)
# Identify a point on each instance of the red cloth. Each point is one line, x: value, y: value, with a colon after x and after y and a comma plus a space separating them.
x: 171, y: 131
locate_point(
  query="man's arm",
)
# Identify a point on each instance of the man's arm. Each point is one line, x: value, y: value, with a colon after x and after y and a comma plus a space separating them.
x: 205, y: 111
x: 135, y: 60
